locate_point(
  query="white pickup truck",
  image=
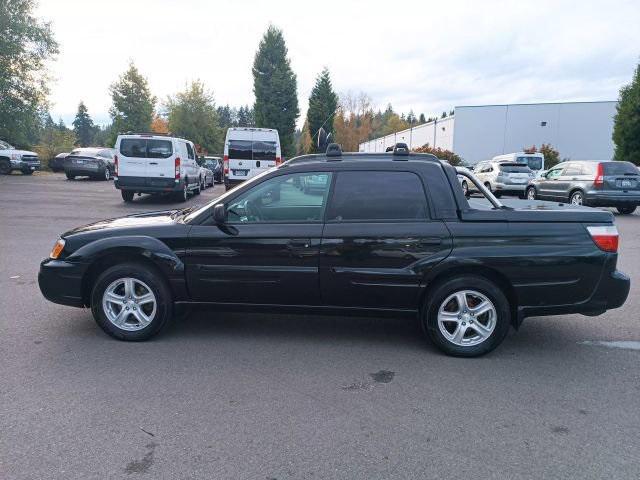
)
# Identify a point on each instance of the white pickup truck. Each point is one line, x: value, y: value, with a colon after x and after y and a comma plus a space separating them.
x: 13, y: 159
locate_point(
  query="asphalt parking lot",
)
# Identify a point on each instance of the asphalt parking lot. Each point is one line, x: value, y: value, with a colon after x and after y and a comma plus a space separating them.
x: 249, y: 396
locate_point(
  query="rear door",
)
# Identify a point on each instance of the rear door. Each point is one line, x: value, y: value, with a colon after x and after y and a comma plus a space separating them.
x: 378, y: 240
x: 240, y: 151
x: 132, y: 157
x: 622, y: 178
x: 160, y: 158
x: 265, y: 151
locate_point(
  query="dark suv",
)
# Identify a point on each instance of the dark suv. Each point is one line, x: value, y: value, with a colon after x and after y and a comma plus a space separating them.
x: 381, y: 234
x: 597, y: 184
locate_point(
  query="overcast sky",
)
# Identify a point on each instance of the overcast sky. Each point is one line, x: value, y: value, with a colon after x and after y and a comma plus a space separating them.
x: 428, y: 56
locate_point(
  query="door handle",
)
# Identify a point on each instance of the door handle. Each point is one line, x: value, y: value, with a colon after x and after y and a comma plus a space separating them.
x: 153, y: 163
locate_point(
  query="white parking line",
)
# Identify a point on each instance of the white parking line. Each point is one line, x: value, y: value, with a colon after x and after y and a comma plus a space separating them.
x: 625, y: 344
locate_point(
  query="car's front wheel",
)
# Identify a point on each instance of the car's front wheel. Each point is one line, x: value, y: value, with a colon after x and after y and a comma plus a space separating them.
x: 131, y: 302
x: 107, y: 174
x: 5, y: 167
x: 70, y: 177
x: 466, y: 316
x: 626, y: 210
x: 127, y: 195
x: 531, y: 193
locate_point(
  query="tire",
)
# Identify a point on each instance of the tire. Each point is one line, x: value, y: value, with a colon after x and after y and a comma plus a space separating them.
x: 577, y: 198
x: 495, y: 321
x: 626, y: 210
x: 127, y: 195
x: 199, y: 189
x: 27, y: 172
x: 140, y: 290
x: 465, y: 189
x: 203, y: 184
x: 497, y: 194
x: 183, y: 195
x: 227, y: 188
x: 531, y: 194
x: 5, y: 167
x: 107, y: 174
x: 70, y: 177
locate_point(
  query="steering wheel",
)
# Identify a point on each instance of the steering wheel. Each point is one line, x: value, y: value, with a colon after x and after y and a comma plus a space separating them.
x: 253, y: 211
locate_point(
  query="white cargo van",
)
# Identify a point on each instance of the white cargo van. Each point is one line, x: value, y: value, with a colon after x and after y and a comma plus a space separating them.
x: 155, y: 163
x: 249, y: 151
x: 535, y: 161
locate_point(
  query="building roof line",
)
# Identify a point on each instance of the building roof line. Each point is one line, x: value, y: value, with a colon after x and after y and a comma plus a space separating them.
x: 533, y: 104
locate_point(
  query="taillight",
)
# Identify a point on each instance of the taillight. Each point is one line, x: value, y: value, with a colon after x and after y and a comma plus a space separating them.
x: 225, y: 162
x: 115, y: 163
x: 278, y: 160
x: 606, y: 238
x: 599, y: 181
x: 177, y: 168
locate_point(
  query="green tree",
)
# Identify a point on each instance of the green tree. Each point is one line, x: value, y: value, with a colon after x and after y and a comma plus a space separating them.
x: 83, y: 126
x: 133, y: 104
x: 323, y: 103
x: 626, y: 126
x: 192, y: 114
x: 275, y: 89
x: 422, y: 119
x: 26, y: 43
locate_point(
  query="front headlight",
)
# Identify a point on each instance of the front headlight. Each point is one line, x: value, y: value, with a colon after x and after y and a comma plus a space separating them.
x: 57, y: 249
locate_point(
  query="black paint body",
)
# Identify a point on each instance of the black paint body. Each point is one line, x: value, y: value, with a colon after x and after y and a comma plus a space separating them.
x: 540, y: 253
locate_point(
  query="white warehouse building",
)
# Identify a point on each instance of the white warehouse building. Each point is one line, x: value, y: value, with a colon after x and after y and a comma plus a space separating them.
x: 578, y: 130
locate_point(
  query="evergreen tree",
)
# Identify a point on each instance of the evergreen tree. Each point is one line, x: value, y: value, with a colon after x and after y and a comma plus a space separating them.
x: 275, y: 89
x: 323, y: 103
x: 133, y: 104
x: 626, y: 127
x: 243, y: 117
x: 225, y: 117
x: 192, y: 115
x: 83, y: 126
x: 62, y: 126
x: 444, y: 115
x: 411, y: 118
x: 422, y: 119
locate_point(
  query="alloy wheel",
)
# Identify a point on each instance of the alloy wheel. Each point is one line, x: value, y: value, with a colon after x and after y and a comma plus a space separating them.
x: 531, y: 194
x: 129, y: 304
x: 107, y: 174
x: 576, y: 199
x: 467, y: 318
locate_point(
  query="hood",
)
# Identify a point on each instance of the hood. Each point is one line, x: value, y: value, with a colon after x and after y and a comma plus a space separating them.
x: 22, y: 152
x: 141, y: 220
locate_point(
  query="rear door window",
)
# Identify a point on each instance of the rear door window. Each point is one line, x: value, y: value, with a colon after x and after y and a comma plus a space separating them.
x: 620, y: 168
x: 145, y: 148
x: 264, y: 150
x: 374, y: 196
x: 189, y: 151
x: 240, y: 149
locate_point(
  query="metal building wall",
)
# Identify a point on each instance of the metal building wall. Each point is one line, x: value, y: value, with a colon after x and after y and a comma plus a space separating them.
x: 438, y: 133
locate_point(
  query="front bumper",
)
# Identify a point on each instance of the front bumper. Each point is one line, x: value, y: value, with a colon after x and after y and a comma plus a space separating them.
x: 61, y: 282
x: 32, y: 166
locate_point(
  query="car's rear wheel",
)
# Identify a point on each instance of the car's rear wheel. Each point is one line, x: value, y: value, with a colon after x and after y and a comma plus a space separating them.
x: 577, y: 198
x: 5, y: 167
x: 131, y: 302
x: 127, y: 195
x: 107, y: 174
x: 183, y: 194
x: 626, y: 210
x: 531, y: 193
x: 466, y: 316
x: 70, y: 177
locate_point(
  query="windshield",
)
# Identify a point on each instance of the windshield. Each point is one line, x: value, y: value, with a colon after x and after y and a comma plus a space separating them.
x: 222, y: 197
x: 5, y: 146
x: 535, y: 163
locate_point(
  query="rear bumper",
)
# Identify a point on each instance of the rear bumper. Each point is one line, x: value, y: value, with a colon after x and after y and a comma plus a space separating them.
x: 232, y: 182
x: 61, y: 282
x: 612, y: 291
x: 611, y: 199
x: 148, y: 184
x: 84, y: 171
x: 506, y: 187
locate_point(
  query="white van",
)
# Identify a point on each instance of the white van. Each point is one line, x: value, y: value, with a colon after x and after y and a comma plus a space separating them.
x: 249, y: 151
x: 535, y: 161
x: 155, y: 163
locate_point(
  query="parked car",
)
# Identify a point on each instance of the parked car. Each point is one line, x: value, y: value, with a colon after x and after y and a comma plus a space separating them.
x: 390, y: 234
x: 249, y: 152
x: 96, y: 163
x: 156, y: 164
x: 13, y: 159
x: 535, y: 161
x: 56, y: 164
x: 206, y: 175
x: 502, y: 178
x: 597, y: 184
x: 214, y: 164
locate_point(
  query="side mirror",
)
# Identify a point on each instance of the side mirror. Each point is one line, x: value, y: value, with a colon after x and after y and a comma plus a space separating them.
x: 219, y: 214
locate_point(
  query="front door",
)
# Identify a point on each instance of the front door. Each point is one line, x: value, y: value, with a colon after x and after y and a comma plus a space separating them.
x: 549, y: 187
x: 378, y: 241
x: 267, y: 252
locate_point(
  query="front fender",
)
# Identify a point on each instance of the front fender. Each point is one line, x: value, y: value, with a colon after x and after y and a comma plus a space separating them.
x: 152, y: 248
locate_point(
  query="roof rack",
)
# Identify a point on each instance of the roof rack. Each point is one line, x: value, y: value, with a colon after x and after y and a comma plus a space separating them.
x: 401, y: 150
x: 156, y: 134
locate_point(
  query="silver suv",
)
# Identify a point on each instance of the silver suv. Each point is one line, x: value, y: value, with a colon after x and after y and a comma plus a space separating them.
x: 597, y: 184
x: 506, y: 178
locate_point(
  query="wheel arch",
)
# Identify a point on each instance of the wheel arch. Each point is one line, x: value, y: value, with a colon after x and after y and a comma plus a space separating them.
x: 151, y: 252
x: 484, y: 271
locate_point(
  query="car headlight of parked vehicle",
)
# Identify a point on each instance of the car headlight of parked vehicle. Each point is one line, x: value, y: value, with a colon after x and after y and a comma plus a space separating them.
x: 57, y: 249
